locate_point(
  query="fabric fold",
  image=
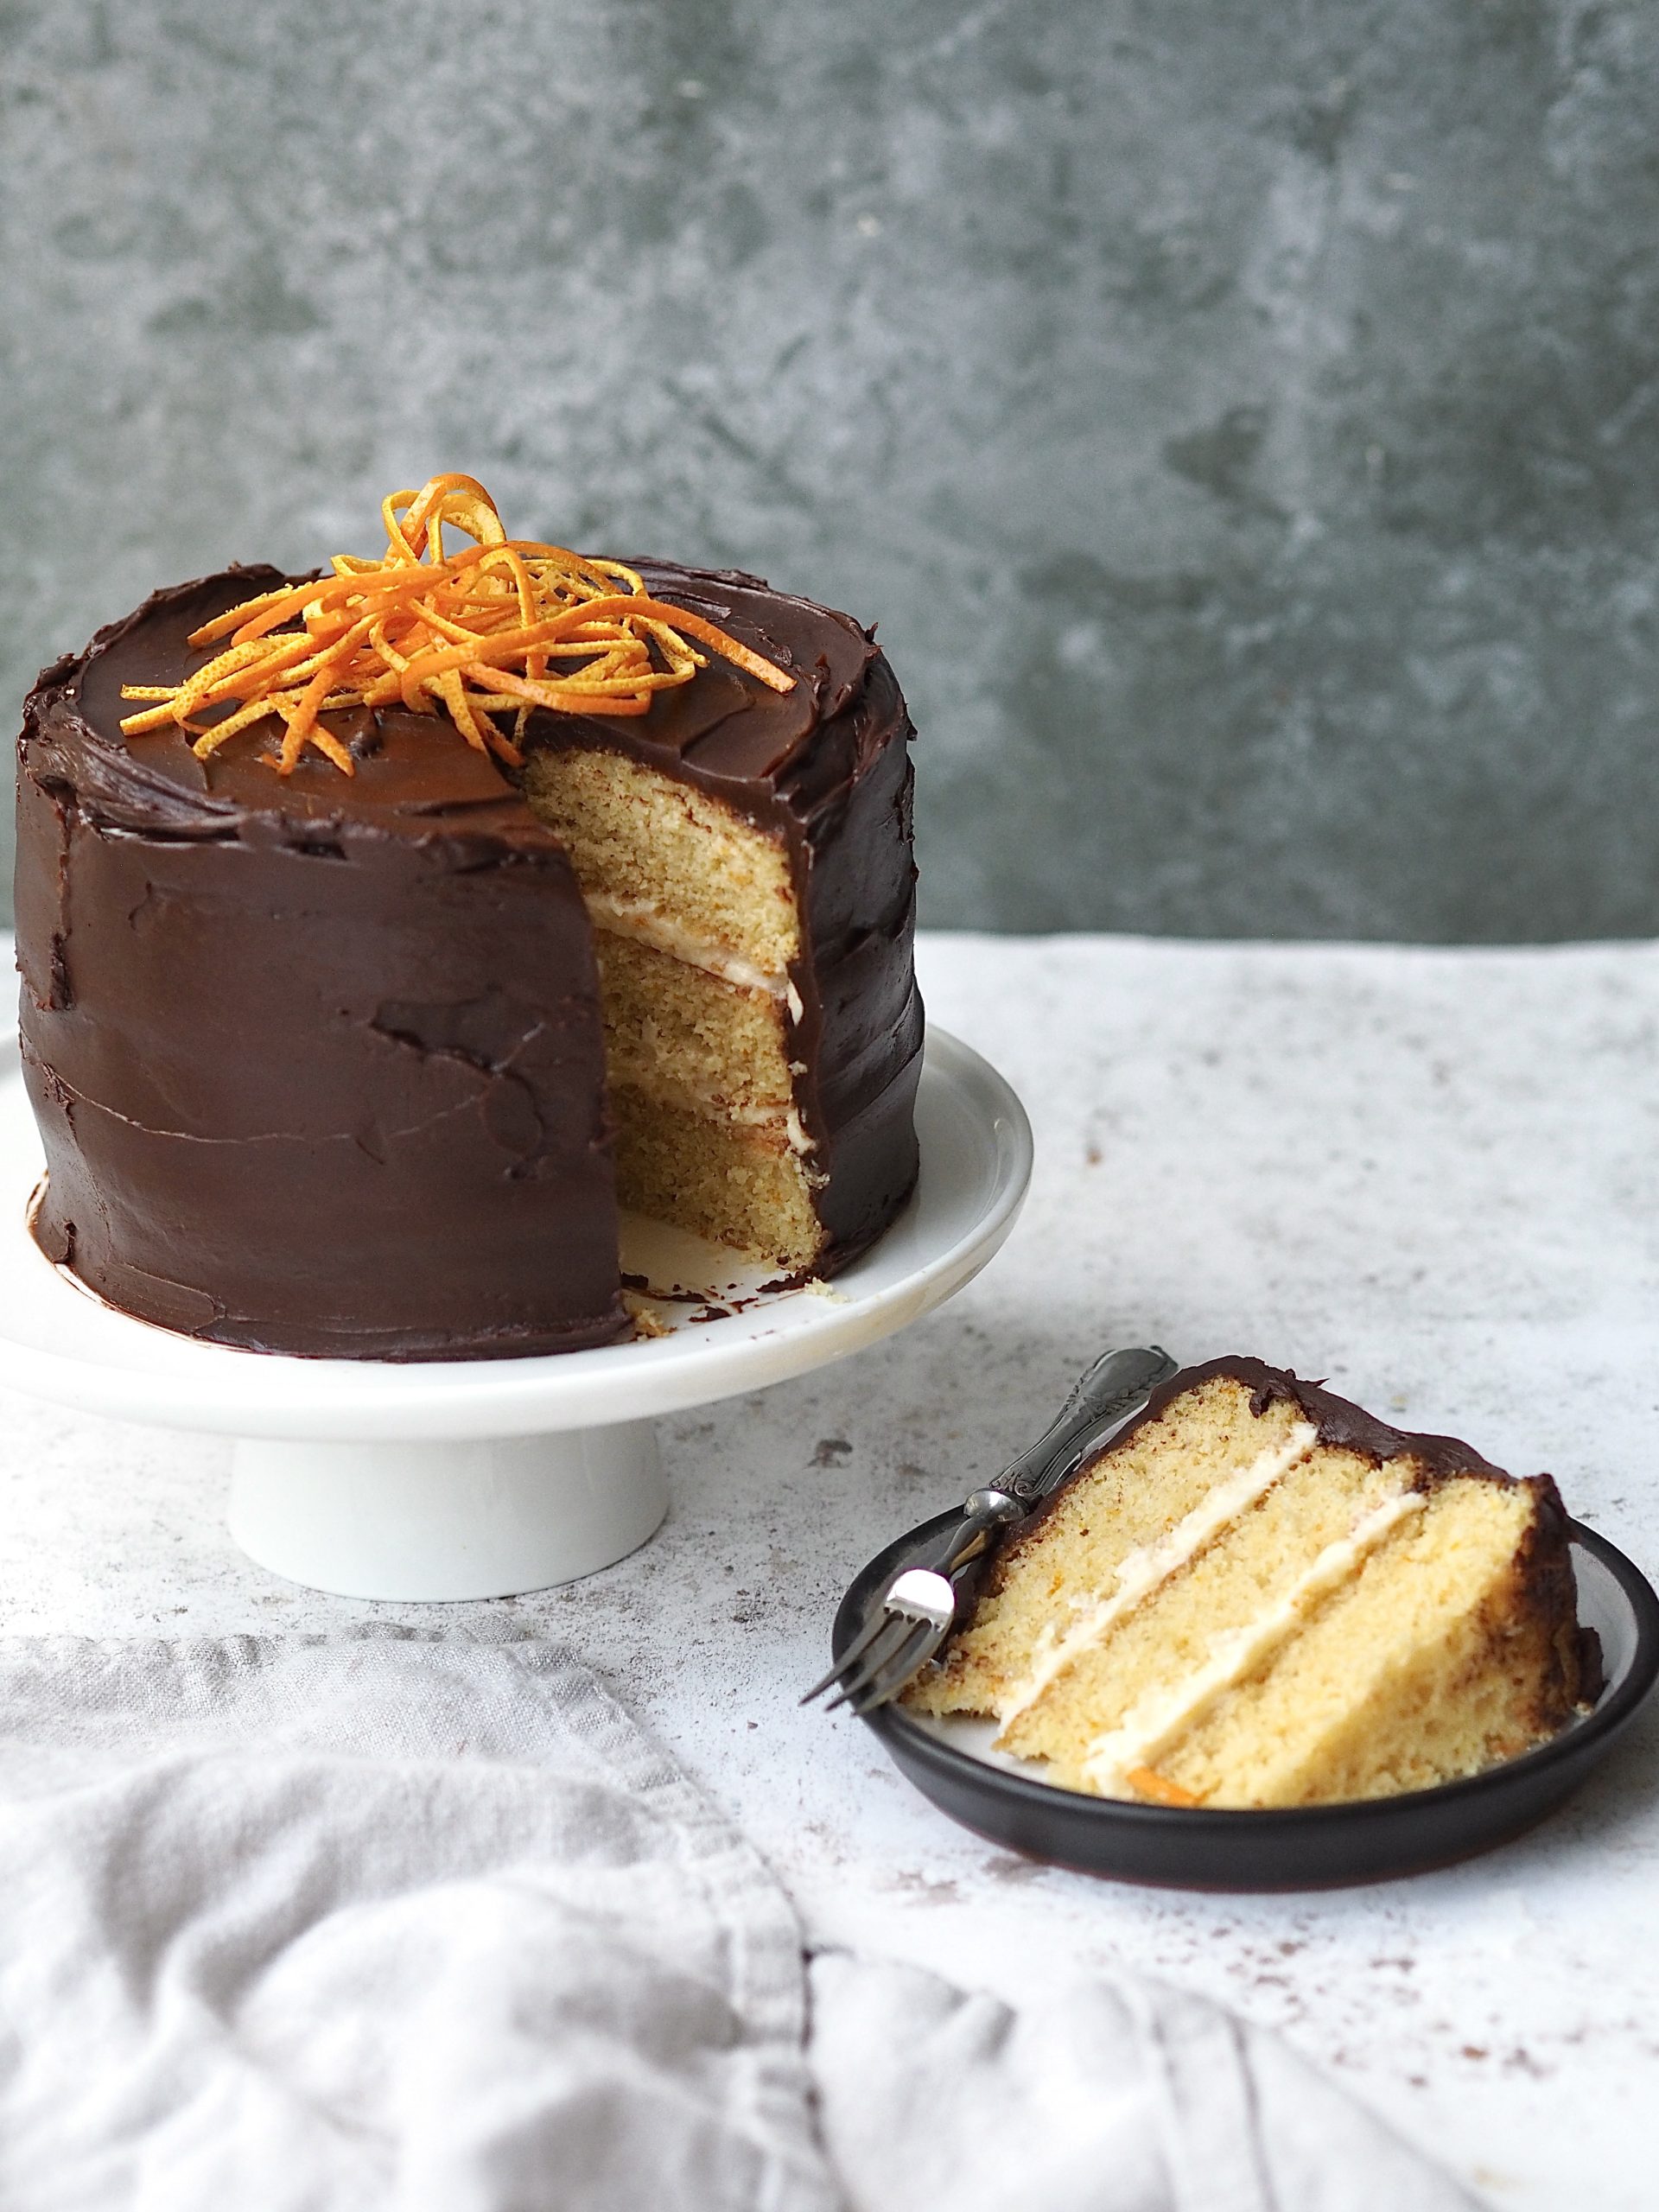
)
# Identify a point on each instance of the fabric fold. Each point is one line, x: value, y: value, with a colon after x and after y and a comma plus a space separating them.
x: 323, y: 1924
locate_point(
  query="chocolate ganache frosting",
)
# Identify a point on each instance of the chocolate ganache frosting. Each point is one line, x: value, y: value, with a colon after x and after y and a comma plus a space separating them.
x: 319, y: 1060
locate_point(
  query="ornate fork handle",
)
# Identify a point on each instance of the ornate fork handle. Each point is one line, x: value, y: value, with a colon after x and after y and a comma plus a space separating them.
x: 910, y: 1620
x: 1117, y: 1386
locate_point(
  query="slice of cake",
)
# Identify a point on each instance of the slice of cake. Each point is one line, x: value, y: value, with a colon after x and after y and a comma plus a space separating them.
x: 1259, y: 1595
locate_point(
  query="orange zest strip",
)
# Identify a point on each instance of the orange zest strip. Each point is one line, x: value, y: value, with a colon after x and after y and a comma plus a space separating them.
x: 558, y: 696
x: 1149, y: 1782
x: 500, y: 626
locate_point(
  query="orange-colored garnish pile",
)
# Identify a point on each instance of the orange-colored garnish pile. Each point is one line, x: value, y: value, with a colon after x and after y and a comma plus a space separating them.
x: 501, y: 628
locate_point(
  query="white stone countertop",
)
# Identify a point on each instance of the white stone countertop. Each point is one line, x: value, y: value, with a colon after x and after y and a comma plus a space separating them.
x: 1431, y: 1177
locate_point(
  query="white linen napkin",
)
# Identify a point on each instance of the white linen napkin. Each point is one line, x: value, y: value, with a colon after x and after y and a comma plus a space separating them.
x: 323, y: 1925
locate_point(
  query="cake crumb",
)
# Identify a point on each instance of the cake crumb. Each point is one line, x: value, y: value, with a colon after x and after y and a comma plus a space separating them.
x: 646, y: 1323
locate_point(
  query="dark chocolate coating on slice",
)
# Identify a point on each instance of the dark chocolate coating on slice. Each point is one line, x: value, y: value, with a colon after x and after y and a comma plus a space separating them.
x: 1347, y: 1427
x: 318, y: 1060
x: 1342, y: 1425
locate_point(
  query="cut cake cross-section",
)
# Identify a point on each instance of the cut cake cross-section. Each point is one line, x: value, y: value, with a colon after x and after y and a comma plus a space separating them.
x: 696, y: 929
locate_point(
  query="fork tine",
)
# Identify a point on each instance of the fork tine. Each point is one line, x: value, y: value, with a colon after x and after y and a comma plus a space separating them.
x: 900, y: 1667
x: 875, y: 1621
x: 860, y: 1678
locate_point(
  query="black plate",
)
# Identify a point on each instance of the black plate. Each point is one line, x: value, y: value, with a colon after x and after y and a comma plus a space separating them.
x: 1314, y: 1846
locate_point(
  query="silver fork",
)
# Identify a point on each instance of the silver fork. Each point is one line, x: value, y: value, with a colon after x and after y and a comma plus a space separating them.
x: 917, y: 1610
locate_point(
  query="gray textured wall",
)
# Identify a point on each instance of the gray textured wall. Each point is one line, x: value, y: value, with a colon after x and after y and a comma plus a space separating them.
x: 1243, y: 419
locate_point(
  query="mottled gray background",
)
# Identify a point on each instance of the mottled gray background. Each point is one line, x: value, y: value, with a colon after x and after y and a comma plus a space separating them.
x: 1243, y: 419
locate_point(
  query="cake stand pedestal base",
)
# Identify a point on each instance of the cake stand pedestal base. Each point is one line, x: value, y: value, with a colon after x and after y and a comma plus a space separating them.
x: 485, y: 1517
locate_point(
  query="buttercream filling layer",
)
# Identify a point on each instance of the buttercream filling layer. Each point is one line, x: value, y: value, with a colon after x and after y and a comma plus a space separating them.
x: 641, y: 922
x: 1148, y: 1569
x: 1162, y: 1714
x: 697, y: 1099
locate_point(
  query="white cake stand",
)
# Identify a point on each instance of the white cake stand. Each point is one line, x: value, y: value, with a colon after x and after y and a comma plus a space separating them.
x: 479, y: 1478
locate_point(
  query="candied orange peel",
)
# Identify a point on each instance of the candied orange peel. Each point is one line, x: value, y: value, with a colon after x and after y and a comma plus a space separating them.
x: 1148, y: 1783
x: 500, y: 626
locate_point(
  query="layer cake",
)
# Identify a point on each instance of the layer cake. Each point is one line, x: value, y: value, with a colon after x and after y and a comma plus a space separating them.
x: 363, y: 1064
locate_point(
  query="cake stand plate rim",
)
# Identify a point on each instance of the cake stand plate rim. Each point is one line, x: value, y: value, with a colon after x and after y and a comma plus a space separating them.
x: 74, y: 1350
